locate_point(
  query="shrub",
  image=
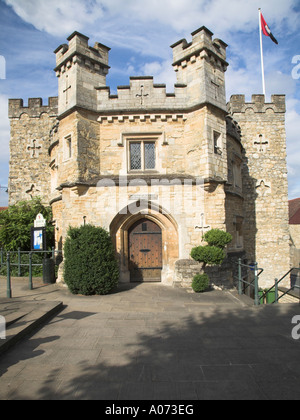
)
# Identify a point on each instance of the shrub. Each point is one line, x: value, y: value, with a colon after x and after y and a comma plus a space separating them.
x: 90, y: 264
x: 200, y: 283
x: 211, y: 255
x: 218, y: 238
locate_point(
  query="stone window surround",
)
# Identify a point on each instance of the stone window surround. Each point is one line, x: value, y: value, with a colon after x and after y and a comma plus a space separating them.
x: 217, y: 139
x: 67, y: 147
x: 154, y: 137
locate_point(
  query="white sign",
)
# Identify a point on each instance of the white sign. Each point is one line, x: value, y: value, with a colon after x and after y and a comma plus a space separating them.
x: 39, y: 221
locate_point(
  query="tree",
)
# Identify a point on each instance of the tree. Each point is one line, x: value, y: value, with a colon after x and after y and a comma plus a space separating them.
x: 211, y: 254
x: 16, y: 223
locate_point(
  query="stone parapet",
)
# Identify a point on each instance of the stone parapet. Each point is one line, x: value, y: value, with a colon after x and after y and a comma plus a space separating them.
x: 34, y: 109
x: 238, y: 104
x: 201, y: 42
x: 201, y: 65
x: 78, y: 50
x: 142, y: 94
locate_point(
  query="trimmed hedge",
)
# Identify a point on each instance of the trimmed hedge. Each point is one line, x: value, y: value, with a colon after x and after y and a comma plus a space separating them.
x: 218, y: 238
x: 200, y: 283
x: 90, y: 264
x: 211, y: 255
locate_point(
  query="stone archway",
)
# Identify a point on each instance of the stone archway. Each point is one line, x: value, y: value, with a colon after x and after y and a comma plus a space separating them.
x: 130, y: 215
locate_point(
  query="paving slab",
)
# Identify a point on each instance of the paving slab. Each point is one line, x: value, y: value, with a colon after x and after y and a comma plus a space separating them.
x: 151, y: 342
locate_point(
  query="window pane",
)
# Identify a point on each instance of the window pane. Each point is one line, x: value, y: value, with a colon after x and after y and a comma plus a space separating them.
x: 135, y: 156
x: 149, y: 156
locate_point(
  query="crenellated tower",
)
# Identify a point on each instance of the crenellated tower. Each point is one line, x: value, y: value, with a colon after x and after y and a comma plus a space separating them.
x: 80, y: 69
x: 29, y: 172
x: 201, y: 66
x: 265, y: 182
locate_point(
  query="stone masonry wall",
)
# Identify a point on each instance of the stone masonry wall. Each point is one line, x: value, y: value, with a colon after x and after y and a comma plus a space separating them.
x: 265, y: 185
x: 29, y: 172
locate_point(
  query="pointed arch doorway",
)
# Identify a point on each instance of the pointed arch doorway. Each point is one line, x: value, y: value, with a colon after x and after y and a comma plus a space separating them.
x: 131, y: 217
x: 145, y: 251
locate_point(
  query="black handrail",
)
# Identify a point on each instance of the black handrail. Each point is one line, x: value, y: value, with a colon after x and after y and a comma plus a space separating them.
x: 277, y: 298
x: 257, y: 273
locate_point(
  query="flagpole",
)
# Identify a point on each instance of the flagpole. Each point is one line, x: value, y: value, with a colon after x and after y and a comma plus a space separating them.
x: 262, y: 54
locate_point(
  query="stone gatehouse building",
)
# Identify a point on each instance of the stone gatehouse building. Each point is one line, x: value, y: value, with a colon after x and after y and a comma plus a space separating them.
x: 157, y: 169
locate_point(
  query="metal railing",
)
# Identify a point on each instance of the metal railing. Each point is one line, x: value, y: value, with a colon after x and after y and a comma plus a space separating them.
x: 7, y: 262
x: 276, y: 286
x: 254, y: 284
x: 260, y: 295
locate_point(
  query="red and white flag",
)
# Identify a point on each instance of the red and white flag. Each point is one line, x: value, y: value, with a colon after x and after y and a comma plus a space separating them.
x: 266, y: 30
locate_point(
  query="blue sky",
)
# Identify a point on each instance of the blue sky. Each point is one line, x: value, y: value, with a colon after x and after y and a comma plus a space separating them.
x: 139, y: 34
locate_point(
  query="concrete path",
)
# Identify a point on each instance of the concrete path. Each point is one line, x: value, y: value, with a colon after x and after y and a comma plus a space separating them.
x: 150, y: 342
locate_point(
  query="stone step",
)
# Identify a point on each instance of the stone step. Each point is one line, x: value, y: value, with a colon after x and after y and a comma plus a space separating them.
x: 23, y: 317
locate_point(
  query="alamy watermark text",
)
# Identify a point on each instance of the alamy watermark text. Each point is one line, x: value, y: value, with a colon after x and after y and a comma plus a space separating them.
x: 2, y: 67
x: 2, y: 328
x: 296, y: 68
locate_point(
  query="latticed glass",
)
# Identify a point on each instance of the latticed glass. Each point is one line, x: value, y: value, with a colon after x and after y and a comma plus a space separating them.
x: 149, y: 155
x: 135, y: 156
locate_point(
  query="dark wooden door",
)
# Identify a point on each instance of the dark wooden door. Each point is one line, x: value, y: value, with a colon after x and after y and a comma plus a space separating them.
x: 145, y: 251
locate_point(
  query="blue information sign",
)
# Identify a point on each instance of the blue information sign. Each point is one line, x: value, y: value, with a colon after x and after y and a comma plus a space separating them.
x: 38, y: 239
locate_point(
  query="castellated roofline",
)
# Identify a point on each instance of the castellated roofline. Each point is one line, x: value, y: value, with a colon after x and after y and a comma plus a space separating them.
x: 34, y: 109
x: 238, y: 104
x: 78, y: 49
x: 201, y: 41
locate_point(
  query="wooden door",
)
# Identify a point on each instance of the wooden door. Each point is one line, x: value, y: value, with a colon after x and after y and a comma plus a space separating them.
x: 145, y: 251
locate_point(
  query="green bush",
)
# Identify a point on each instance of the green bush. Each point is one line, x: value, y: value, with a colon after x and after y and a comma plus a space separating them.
x: 218, y: 238
x: 211, y: 255
x: 200, y: 283
x: 90, y: 264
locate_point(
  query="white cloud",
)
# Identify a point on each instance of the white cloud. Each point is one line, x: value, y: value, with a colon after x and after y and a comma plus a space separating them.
x: 57, y: 17
x: 139, y: 17
x: 162, y: 72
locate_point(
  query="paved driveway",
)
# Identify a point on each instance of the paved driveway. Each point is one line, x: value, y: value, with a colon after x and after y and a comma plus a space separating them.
x: 153, y: 342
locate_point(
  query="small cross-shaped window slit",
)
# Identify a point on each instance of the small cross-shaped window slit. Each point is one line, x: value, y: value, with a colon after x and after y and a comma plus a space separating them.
x: 68, y: 86
x: 34, y: 149
x: 142, y: 95
x: 261, y: 144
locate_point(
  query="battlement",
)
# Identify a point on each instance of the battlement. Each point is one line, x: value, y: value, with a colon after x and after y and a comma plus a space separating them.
x: 238, y: 104
x: 202, y: 45
x: 78, y: 51
x: 34, y: 109
x: 141, y: 94
x: 232, y: 127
